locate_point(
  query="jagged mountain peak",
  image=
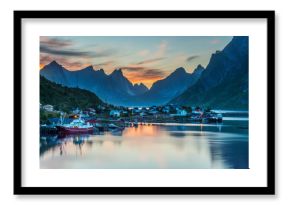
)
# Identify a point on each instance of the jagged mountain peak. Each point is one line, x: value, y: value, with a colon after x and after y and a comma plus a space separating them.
x: 198, y: 69
x: 180, y: 70
x: 54, y: 63
x: 199, y: 66
x: 52, y: 67
x: 140, y: 88
x: 117, y: 72
x: 101, y: 70
x: 224, y: 82
x: 162, y: 91
x: 239, y: 45
x: 140, y: 85
x: 241, y: 39
x: 89, y: 68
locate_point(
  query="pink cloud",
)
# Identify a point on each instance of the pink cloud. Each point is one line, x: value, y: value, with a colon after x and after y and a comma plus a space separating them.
x: 215, y: 41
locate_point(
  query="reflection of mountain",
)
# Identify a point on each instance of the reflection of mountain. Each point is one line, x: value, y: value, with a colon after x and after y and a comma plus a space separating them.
x: 224, y: 83
x: 155, y: 146
x: 233, y: 153
x: 68, y: 144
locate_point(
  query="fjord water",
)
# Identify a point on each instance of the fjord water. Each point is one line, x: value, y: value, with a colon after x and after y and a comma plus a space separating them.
x: 157, y: 146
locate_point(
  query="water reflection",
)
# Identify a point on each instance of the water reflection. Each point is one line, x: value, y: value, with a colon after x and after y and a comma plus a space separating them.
x: 175, y: 146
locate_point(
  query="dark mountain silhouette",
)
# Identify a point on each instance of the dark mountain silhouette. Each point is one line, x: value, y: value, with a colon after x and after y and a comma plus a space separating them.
x: 162, y: 91
x: 224, y: 82
x: 65, y: 98
x: 114, y: 88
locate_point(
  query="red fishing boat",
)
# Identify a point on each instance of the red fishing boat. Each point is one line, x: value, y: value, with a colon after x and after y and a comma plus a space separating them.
x: 76, y: 126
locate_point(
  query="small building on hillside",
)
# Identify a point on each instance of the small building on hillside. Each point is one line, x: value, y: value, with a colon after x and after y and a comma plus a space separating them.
x: 48, y: 108
x: 115, y: 113
x: 181, y: 112
x: 124, y: 113
x: 166, y: 109
x: 76, y: 111
x: 90, y: 111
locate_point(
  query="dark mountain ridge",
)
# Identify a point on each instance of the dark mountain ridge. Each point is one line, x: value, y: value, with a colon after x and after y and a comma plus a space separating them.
x: 116, y: 89
x: 113, y: 88
x: 162, y: 91
x: 64, y: 98
x: 224, y: 82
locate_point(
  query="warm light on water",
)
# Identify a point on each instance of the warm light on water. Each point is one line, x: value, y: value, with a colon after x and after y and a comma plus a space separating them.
x: 165, y: 146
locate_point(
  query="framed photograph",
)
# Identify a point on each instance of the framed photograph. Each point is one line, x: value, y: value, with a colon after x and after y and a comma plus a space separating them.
x: 144, y: 102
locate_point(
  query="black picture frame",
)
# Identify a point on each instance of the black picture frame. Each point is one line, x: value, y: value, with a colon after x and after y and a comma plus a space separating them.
x: 268, y: 190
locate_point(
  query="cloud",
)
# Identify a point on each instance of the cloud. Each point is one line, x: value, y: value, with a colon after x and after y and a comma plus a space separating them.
x: 158, y: 53
x: 152, y: 73
x: 53, y: 42
x: 190, y: 58
x: 215, y: 41
x: 47, y: 49
x: 104, y: 53
x: 104, y: 63
x: 161, y: 49
x: 143, y: 53
x: 150, y: 61
x: 57, y: 47
x: 71, y: 65
x: 138, y: 73
x: 45, y: 59
x: 143, y: 72
x: 75, y: 65
x: 132, y: 68
x: 146, y: 75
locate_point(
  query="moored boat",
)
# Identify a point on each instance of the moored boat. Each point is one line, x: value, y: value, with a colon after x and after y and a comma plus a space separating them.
x: 113, y: 127
x: 213, y: 117
x: 76, y: 126
x: 135, y: 123
x: 196, y: 116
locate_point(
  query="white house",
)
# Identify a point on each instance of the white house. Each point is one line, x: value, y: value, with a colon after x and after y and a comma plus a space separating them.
x: 181, y: 113
x: 115, y: 113
x: 142, y: 114
x: 166, y: 109
x: 124, y: 112
x: 76, y: 111
x: 153, y: 112
x: 48, y: 108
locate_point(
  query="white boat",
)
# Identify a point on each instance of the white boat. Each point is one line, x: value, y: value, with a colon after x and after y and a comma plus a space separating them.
x: 76, y: 126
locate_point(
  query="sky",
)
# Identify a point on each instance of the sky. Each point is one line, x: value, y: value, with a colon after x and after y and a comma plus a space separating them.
x: 143, y: 59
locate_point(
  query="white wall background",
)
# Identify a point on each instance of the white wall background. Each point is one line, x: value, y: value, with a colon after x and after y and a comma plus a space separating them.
x: 282, y: 99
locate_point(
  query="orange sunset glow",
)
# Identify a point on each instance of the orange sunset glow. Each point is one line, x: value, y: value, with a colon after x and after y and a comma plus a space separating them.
x: 142, y: 59
x: 143, y: 102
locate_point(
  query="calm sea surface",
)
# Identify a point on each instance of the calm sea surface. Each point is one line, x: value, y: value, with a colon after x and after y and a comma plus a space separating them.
x: 157, y: 146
